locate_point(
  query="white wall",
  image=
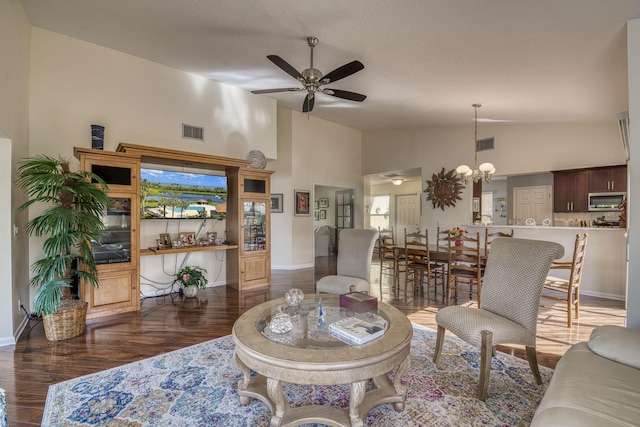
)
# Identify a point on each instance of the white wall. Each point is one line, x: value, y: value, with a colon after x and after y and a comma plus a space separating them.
x: 322, y: 153
x: 75, y: 84
x: 15, y: 33
x: 633, y: 215
x: 518, y: 150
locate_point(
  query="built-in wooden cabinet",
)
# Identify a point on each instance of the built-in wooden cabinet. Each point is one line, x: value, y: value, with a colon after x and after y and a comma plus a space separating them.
x: 117, y: 255
x: 608, y: 179
x: 248, y: 223
x: 570, y: 191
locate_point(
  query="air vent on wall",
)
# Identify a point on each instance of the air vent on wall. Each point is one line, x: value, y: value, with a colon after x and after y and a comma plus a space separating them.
x: 193, y: 132
x: 484, y: 144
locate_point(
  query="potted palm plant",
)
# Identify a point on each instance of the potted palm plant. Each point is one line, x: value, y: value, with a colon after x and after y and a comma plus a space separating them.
x: 72, y: 218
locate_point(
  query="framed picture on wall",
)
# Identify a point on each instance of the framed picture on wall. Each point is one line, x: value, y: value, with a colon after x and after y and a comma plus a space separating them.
x: 302, y: 199
x: 316, y: 216
x: 324, y: 202
x: 276, y: 203
x: 315, y: 205
x: 323, y: 214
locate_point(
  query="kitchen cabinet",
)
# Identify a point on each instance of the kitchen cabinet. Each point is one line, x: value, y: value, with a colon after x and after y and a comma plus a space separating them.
x: 571, y: 191
x: 608, y: 179
x: 116, y: 255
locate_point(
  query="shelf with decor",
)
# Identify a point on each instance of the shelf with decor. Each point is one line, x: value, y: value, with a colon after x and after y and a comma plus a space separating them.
x: 156, y: 251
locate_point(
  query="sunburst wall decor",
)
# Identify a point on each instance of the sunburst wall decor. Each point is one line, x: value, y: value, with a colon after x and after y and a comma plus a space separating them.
x: 444, y: 188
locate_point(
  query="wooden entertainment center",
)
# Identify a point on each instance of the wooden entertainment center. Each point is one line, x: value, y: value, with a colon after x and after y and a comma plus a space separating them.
x: 248, y: 254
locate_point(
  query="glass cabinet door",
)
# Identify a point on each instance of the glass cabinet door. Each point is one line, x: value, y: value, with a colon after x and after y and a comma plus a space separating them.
x: 255, y: 227
x: 115, y: 246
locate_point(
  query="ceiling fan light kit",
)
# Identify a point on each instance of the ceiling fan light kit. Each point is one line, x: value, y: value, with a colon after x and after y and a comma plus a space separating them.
x: 485, y: 170
x: 397, y: 181
x: 312, y: 79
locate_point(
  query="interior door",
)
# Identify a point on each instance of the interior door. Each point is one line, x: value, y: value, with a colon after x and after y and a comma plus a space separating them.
x: 407, y: 216
x: 532, y: 202
x: 344, y: 211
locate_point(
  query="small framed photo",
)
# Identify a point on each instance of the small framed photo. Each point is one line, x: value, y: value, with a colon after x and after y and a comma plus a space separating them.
x: 323, y: 214
x: 315, y: 205
x: 188, y: 238
x: 212, y: 235
x: 316, y: 215
x: 324, y: 202
x: 302, y: 202
x: 476, y: 204
x: 159, y: 244
x: 276, y: 203
x: 165, y: 238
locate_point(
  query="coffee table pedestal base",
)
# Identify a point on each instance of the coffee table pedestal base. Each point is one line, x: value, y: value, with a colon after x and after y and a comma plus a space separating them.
x: 361, y: 402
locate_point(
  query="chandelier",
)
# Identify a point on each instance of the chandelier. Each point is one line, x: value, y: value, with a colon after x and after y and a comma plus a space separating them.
x: 485, y: 170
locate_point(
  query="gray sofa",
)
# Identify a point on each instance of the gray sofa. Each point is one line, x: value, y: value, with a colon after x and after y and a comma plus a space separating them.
x: 595, y: 383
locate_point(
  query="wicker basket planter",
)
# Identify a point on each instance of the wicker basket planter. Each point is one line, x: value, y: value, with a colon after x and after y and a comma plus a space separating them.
x: 67, y: 322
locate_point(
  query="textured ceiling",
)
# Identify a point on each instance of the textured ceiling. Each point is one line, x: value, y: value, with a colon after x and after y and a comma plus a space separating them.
x: 426, y: 61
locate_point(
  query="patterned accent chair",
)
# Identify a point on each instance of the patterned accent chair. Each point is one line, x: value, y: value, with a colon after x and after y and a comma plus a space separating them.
x: 355, y: 247
x: 512, y: 285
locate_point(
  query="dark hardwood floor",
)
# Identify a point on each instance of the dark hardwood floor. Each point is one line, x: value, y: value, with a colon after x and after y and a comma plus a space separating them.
x: 171, y: 322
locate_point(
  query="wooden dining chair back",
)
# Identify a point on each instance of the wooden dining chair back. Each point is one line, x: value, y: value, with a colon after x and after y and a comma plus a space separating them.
x: 389, y: 256
x: 465, y: 265
x: 420, y: 272
x: 567, y: 290
x: 488, y: 238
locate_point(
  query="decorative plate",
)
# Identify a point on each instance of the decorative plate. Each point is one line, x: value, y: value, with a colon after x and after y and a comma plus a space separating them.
x: 258, y: 160
x: 444, y: 188
x: 546, y: 222
x: 530, y: 221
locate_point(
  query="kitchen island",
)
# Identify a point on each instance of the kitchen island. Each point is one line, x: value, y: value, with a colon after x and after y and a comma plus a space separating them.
x: 605, y: 269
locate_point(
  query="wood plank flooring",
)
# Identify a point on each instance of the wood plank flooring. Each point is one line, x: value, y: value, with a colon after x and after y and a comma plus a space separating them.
x: 171, y: 322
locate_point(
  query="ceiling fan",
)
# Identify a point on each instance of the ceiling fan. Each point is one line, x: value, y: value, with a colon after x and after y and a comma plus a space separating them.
x: 312, y: 79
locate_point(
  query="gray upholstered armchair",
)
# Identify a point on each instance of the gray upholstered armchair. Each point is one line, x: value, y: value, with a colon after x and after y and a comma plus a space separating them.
x: 355, y: 248
x: 511, y: 289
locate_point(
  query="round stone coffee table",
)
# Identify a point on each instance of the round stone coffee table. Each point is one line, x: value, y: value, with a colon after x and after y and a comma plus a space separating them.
x: 309, y: 354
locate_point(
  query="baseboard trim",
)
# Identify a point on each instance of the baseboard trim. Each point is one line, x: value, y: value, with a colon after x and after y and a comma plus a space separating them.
x: 292, y: 267
x: 603, y: 295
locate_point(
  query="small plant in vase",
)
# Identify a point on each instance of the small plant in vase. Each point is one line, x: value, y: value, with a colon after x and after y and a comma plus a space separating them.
x: 191, y: 279
x: 457, y: 233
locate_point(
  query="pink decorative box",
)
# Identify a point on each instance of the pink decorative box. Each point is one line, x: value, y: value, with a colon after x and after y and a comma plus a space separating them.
x: 358, y: 302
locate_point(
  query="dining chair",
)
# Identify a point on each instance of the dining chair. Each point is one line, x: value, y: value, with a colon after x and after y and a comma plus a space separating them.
x: 488, y: 238
x: 465, y: 266
x: 419, y: 270
x: 353, y: 264
x: 568, y: 290
x: 513, y: 281
x: 389, y: 256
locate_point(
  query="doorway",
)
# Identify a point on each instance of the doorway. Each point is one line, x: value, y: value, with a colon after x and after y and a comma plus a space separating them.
x: 532, y: 202
x: 407, y: 215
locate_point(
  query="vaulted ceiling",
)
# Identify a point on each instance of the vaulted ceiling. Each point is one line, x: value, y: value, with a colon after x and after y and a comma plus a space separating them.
x: 426, y: 61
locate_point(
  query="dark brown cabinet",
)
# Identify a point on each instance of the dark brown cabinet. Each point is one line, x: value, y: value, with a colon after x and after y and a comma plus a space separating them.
x: 570, y: 191
x: 608, y: 179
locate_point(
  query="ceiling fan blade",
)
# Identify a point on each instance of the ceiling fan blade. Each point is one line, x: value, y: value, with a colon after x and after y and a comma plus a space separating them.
x: 309, y: 101
x: 283, y: 89
x: 345, y: 94
x: 340, y: 73
x: 286, y: 67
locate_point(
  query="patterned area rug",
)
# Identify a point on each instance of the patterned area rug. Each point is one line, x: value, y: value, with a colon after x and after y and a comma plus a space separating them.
x: 196, y: 386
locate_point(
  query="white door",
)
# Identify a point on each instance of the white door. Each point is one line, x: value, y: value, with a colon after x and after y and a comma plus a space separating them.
x: 532, y: 202
x: 407, y: 216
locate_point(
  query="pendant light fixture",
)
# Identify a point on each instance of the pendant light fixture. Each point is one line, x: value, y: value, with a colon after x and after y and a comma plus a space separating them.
x: 485, y: 170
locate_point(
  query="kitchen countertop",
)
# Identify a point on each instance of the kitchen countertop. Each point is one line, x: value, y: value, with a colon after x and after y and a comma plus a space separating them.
x: 553, y: 227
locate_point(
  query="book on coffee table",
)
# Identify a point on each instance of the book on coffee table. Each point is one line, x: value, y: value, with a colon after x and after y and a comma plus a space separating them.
x: 355, y: 331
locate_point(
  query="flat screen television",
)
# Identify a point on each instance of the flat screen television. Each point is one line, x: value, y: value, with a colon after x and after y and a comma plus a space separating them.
x: 181, y: 195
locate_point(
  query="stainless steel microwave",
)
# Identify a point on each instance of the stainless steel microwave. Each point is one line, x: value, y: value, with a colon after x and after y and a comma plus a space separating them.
x: 599, y: 202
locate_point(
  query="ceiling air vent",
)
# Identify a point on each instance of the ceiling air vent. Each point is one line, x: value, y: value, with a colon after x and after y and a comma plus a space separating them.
x: 192, y: 132
x: 484, y: 144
